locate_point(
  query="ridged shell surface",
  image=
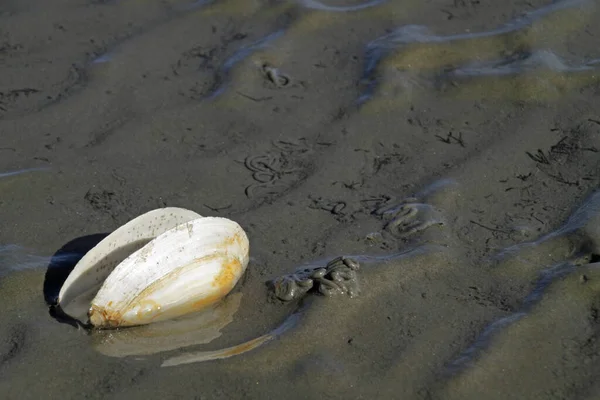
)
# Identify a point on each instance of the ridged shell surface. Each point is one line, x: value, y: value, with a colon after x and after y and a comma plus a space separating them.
x: 184, y: 270
x: 100, y: 261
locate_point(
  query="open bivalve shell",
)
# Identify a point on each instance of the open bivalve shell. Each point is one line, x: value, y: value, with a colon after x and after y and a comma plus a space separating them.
x: 182, y: 271
x: 98, y: 263
x: 173, y: 272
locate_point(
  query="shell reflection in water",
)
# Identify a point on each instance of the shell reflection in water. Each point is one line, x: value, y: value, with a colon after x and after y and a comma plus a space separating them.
x: 199, y: 328
x: 202, y: 356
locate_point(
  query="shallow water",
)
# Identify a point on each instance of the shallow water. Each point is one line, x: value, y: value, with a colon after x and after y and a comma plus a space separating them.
x: 21, y: 171
x: 14, y: 258
x: 450, y: 148
x: 419, y: 57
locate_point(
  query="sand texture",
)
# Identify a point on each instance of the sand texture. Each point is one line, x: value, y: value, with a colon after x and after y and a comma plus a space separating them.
x: 450, y: 149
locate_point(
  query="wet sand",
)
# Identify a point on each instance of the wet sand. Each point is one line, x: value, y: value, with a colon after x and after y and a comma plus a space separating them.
x: 452, y: 148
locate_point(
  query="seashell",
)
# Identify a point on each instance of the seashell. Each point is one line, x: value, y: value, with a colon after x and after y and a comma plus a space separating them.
x: 183, y: 270
x: 97, y: 264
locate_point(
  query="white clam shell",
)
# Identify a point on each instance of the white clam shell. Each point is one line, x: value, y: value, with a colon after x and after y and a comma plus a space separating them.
x: 183, y: 270
x: 100, y: 261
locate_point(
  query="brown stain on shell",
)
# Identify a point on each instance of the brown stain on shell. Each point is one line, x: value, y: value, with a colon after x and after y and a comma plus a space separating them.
x: 100, y: 317
x: 236, y: 238
x: 230, y: 268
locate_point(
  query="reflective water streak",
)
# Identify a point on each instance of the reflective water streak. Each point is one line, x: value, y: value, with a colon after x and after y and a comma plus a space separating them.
x: 415, y: 48
x: 421, y: 34
x: 240, y: 55
x: 586, y: 216
x: 526, y: 62
x: 468, y: 357
x: 14, y: 258
x: 317, y: 5
x: 21, y: 171
x: 237, y: 350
